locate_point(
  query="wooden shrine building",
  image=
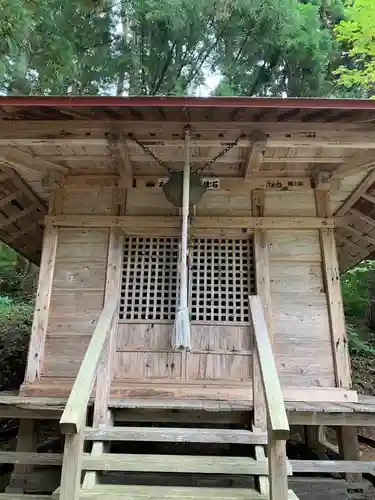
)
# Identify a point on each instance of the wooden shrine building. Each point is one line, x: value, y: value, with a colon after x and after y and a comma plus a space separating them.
x: 287, y: 204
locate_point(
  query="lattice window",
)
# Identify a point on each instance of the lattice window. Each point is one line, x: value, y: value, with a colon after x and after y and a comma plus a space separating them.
x: 149, y: 279
x: 222, y: 277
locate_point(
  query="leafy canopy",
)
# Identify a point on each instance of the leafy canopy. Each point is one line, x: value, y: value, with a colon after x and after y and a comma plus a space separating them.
x: 357, y: 34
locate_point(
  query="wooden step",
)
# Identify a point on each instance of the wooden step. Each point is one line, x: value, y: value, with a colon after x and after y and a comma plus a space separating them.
x: 22, y: 496
x: 178, y: 435
x: 117, y: 492
x: 180, y: 464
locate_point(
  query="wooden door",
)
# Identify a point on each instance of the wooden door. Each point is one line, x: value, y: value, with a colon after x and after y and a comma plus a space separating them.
x: 221, y: 336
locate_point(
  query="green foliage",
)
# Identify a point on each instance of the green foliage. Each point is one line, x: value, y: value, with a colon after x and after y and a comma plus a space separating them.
x: 357, y: 34
x: 355, y: 289
x: 168, y: 47
x: 15, y: 327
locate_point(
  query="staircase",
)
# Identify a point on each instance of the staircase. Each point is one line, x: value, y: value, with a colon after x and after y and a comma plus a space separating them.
x: 255, y: 468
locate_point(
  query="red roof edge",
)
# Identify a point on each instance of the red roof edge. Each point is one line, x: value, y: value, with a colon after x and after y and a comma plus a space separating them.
x: 188, y: 102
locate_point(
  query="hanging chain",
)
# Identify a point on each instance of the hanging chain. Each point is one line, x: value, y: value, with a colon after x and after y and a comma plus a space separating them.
x: 149, y: 152
x: 219, y: 155
x: 198, y: 170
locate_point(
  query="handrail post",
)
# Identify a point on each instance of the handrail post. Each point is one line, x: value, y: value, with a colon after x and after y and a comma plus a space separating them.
x: 278, y: 426
x: 71, y: 471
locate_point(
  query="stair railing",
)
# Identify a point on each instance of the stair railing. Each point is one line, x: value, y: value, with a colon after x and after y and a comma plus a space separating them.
x: 73, y: 419
x: 277, y: 420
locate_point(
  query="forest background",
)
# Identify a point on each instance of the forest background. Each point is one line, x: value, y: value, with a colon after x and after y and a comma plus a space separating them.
x: 294, y: 48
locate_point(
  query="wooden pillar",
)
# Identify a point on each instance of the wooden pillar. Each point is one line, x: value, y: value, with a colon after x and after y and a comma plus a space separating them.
x: 349, y: 449
x: 263, y: 289
x: 26, y: 442
x: 42, y: 305
x: 70, y: 487
x: 278, y: 477
x: 331, y: 275
x: 102, y: 416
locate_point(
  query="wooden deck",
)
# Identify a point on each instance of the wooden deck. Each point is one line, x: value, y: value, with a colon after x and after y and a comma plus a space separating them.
x: 133, y: 409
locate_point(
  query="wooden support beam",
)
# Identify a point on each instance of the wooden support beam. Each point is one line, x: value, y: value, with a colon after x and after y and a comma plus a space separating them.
x: 119, y: 149
x: 27, y: 458
x: 9, y: 198
x: 256, y: 154
x: 359, y: 162
x: 349, y: 450
x: 358, y: 234
x: 173, y: 222
x: 25, y: 189
x: 24, y: 162
x: 72, y: 466
x: 331, y: 273
x: 278, y: 469
x: 356, y: 194
x: 356, y: 214
x: 368, y: 197
x: 260, y: 243
x: 26, y: 443
x: 11, y: 220
x: 42, y: 305
x: 106, y: 368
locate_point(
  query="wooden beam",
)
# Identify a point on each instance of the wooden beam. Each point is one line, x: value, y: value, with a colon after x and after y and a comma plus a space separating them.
x: 270, y: 182
x: 173, y: 222
x: 72, y: 466
x: 354, y: 139
x: 42, y: 305
x: 355, y: 232
x: 333, y: 466
x: 356, y: 194
x: 27, y: 441
x: 255, y: 155
x: 260, y: 243
x: 349, y: 450
x: 368, y: 197
x: 25, y: 458
x: 25, y: 189
x: 106, y: 368
x: 331, y: 272
x: 119, y: 150
x: 72, y: 419
x: 176, y: 434
x: 325, y: 418
x: 278, y: 422
x: 177, y: 464
x: 357, y: 163
x: 356, y: 214
x: 112, y: 291
x: 24, y: 162
x: 278, y: 469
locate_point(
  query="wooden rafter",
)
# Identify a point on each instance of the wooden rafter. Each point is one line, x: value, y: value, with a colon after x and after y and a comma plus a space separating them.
x: 356, y: 194
x: 24, y: 162
x: 357, y: 163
